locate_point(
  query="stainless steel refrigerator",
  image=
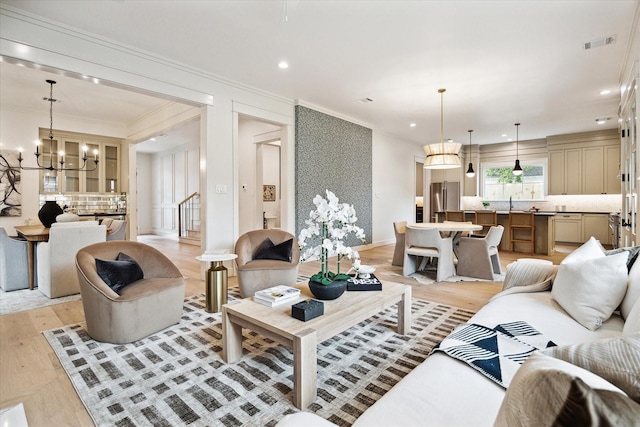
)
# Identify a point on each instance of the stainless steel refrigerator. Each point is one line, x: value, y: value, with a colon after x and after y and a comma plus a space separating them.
x: 445, y: 196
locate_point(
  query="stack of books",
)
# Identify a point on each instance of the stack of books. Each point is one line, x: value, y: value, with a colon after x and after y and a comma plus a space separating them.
x: 277, y: 295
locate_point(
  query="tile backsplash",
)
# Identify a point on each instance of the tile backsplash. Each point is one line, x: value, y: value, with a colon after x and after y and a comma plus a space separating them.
x: 572, y: 203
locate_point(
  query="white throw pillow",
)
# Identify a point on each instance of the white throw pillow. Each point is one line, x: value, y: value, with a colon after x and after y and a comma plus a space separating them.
x: 591, y: 290
x: 591, y: 249
x: 632, y: 322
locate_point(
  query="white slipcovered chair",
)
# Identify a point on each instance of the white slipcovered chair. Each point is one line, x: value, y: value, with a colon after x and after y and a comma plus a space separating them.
x: 398, y: 254
x: 478, y: 257
x: 14, y: 267
x: 56, y: 259
x: 424, y: 243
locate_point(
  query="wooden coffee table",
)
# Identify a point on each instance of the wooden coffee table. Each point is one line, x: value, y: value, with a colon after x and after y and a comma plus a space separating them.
x: 302, y: 337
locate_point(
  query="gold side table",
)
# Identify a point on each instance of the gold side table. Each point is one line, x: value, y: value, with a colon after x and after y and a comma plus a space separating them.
x: 216, y: 288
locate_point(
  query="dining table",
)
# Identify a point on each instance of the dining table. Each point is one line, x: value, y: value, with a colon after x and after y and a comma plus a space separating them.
x: 457, y: 228
x: 33, y: 234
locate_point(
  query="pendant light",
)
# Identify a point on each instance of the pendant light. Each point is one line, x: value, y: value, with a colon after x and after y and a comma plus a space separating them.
x: 470, y: 172
x: 445, y: 154
x: 517, y: 170
x: 52, y: 166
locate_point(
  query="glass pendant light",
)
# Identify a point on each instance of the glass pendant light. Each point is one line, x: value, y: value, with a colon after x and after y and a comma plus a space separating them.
x: 517, y: 170
x: 470, y: 172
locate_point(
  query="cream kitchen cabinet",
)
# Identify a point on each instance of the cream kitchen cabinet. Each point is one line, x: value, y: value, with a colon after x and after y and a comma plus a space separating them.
x: 568, y: 228
x: 601, y: 169
x: 565, y: 171
x: 596, y: 225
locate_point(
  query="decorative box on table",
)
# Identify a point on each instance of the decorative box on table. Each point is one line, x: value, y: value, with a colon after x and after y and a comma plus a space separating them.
x: 372, y: 283
x: 307, y: 310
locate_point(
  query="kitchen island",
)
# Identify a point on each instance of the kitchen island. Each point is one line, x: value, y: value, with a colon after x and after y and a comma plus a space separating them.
x: 544, y: 230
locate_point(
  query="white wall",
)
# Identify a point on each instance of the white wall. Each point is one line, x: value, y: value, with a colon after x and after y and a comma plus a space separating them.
x: 393, y: 184
x: 143, y: 175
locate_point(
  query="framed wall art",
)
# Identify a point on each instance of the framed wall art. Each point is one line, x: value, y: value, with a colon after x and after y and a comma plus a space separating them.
x: 268, y: 193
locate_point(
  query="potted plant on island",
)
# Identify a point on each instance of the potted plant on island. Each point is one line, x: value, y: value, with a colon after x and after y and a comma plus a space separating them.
x: 327, y: 228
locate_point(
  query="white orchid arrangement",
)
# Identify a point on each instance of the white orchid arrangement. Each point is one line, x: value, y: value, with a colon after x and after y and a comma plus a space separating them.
x: 327, y: 228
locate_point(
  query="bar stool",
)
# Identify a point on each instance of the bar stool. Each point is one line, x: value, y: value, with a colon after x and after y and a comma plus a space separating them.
x: 522, y: 229
x: 487, y: 219
x: 457, y: 216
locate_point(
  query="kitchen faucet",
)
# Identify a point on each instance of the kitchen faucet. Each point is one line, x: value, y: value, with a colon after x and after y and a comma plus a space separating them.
x: 510, y: 204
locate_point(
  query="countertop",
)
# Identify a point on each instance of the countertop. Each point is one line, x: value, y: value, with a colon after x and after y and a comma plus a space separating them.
x: 544, y: 213
x: 103, y: 214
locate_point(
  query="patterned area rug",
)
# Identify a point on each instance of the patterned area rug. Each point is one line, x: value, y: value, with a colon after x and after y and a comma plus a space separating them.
x: 25, y: 299
x: 177, y: 376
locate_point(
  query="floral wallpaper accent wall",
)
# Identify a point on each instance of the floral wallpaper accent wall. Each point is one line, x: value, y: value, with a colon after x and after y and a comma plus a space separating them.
x: 333, y: 154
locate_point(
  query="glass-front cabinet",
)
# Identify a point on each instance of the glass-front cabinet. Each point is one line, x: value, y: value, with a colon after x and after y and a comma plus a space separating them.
x: 71, y: 148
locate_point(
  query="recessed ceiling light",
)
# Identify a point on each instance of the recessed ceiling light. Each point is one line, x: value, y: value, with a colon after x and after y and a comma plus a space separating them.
x: 605, y: 92
x: 412, y: 125
x: 603, y: 120
x: 364, y: 100
x: 510, y: 139
x: 283, y: 64
x: 503, y: 135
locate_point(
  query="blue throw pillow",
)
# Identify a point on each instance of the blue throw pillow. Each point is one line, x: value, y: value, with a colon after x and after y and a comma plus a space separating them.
x: 280, y: 252
x: 120, y: 272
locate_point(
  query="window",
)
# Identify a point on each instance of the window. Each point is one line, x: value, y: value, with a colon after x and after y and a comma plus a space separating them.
x: 499, y: 182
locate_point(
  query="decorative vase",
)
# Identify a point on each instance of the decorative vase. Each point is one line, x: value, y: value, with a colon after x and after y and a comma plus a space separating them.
x: 328, y: 292
x: 48, y: 212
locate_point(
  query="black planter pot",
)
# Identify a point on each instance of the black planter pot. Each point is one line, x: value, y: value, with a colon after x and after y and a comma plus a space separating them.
x: 328, y: 292
x: 48, y: 213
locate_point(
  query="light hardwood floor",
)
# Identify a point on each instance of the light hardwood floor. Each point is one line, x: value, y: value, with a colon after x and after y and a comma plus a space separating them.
x: 31, y: 373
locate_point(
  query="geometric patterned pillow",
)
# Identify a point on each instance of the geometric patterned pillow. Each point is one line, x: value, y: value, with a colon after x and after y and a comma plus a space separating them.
x: 617, y: 360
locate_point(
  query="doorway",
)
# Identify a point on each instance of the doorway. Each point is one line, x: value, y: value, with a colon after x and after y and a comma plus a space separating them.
x: 260, y: 173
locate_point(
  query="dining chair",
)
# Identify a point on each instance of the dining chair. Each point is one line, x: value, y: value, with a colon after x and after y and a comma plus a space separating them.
x: 479, y: 257
x: 398, y: 254
x: 487, y: 219
x: 423, y: 244
x: 14, y: 267
x: 56, y: 259
x: 522, y: 230
x: 456, y: 216
x: 117, y: 230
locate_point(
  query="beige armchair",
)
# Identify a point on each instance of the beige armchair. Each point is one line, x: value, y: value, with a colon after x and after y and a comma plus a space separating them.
x: 478, y: 257
x: 256, y: 274
x: 14, y: 267
x: 143, y: 307
x: 422, y: 244
x: 398, y: 254
x: 55, y: 259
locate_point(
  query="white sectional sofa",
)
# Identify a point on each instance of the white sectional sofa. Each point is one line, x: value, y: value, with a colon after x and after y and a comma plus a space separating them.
x: 443, y: 391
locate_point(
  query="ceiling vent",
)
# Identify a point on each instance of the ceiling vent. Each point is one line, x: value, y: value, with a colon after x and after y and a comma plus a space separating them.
x: 604, y: 41
x: 364, y: 100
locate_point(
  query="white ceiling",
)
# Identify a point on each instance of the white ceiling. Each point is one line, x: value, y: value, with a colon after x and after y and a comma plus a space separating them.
x: 501, y: 62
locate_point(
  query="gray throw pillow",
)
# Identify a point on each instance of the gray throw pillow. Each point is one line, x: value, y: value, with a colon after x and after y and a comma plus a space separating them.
x: 120, y: 272
x: 632, y: 252
x: 279, y: 252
